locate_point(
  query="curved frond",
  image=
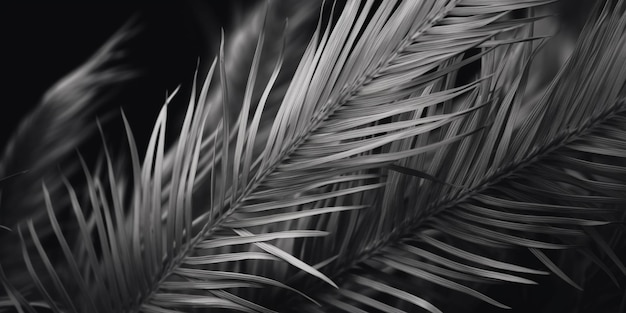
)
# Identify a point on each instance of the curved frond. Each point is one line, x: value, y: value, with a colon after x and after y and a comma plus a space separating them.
x: 512, y: 195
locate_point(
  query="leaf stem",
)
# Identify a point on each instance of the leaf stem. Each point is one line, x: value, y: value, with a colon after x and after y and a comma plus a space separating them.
x: 564, y: 138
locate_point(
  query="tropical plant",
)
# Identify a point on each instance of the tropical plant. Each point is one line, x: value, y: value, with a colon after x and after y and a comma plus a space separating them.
x: 406, y: 164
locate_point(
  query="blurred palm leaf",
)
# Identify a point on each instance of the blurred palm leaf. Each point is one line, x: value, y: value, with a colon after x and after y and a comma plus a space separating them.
x: 389, y: 175
x: 50, y: 134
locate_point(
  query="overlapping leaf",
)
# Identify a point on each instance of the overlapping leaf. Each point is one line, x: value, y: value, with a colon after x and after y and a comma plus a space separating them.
x: 536, y: 186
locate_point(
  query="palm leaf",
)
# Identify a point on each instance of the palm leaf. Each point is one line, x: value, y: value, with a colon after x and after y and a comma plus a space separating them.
x: 382, y: 177
x: 48, y: 136
x: 76, y: 96
x: 521, y: 196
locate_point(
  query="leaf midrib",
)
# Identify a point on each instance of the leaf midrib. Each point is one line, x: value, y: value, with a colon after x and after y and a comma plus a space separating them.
x: 562, y: 140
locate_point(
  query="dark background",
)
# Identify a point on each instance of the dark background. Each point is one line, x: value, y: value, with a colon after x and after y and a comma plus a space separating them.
x: 43, y: 41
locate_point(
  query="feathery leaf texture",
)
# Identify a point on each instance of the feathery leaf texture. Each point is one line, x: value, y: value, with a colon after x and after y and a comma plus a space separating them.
x: 50, y: 134
x: 385, y: 178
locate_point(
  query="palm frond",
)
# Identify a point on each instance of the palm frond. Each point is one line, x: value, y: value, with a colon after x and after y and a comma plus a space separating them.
x: 515, y: 196
x: 48, y: 136
x: 76, y: 96
x: 385, y: 177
